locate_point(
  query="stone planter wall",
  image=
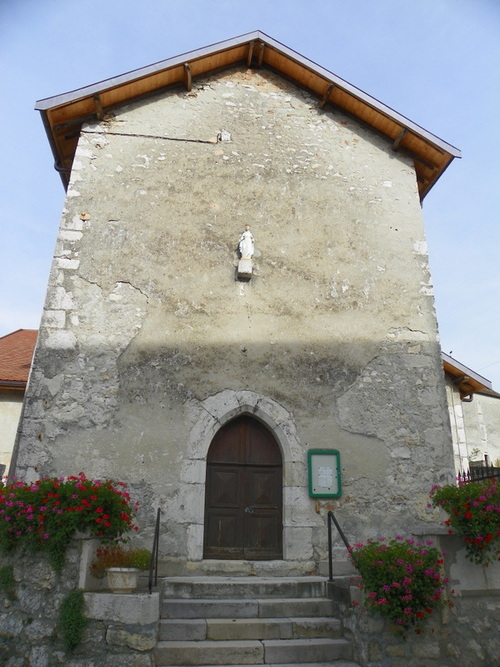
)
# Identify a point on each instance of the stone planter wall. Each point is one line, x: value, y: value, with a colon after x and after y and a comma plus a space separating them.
x: 122, y: 629
x: 464, y: 635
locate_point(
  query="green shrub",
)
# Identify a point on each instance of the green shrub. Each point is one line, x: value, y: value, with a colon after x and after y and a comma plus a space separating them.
x: 116, y: 556
x: 7, y: 581
x: 402, y: 580
x: 72, y: 621
x: 45, y: 515
x: 474, y: 513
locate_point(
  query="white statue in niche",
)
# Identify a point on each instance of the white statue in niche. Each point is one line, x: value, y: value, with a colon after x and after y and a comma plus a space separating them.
x: 246, y: 244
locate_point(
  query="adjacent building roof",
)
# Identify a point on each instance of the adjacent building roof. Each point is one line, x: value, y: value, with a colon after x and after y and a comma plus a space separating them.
x: 16, y: 353
x: 64, y: 115
x: 467, y: 381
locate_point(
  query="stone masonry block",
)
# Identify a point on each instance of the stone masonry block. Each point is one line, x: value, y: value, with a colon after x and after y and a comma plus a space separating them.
x: 55, y: 319
x: 135, y: 640
x: 123, y: 607
x: 298, y: 543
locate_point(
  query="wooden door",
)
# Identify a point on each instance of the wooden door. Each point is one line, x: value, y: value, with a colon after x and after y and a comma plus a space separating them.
x: 243, y: 498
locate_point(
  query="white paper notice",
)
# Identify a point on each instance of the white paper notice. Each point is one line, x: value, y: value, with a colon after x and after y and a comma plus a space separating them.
x: 325, y: 477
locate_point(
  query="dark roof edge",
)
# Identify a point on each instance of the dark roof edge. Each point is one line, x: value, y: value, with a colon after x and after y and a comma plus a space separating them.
x: 59, y: 100
x: 72, y: 95
x: 13, y: 384
x: 467, y: 371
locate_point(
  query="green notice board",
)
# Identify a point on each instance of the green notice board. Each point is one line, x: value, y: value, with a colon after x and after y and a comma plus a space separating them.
x: 323, y: 467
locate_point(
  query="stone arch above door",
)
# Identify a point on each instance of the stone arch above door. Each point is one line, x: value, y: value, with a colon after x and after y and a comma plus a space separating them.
x: 206, y: 418
x: 215, y: 411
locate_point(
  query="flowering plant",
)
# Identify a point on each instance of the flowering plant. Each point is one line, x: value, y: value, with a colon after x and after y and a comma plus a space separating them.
x: 402, y: 579
x: 45, y: 515
x: 116, y: 556
x: 474, y: 511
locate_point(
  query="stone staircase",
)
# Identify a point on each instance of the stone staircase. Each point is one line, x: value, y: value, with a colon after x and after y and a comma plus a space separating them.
x: 281, y: 621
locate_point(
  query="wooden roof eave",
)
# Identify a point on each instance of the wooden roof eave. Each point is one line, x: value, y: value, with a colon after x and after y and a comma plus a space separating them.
x: 467, y: 381
x: 13, y: 385
x: 64, y: 114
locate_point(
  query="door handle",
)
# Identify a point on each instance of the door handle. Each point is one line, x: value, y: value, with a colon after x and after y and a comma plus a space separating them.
x: 249, y: 510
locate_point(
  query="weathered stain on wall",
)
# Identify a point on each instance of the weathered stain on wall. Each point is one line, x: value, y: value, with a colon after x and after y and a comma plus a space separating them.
x: 145, y: 321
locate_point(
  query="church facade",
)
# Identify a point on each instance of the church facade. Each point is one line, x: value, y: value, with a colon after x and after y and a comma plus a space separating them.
x: 240, y: 285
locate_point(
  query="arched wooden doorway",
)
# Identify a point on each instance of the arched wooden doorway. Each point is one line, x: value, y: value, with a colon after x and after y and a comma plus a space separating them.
x: 243, y: 497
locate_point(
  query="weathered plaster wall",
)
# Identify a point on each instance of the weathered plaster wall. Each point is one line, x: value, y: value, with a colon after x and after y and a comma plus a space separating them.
x: 148, y: 342
x: 459, y: 437
x: 475, y: 427
x: 11, y: 404
x: 482, y: 426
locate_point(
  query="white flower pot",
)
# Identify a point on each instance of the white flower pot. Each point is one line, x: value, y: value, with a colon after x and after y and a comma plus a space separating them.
x: 122, y: 579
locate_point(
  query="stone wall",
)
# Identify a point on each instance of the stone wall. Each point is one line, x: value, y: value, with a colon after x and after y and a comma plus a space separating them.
x: 149, y: 343
x: 122, y: 629
x: 462, y: 635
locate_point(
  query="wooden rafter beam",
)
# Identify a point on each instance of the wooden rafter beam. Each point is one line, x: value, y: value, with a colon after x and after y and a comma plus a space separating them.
x: 250, y: 53
x: 326, y: 95
x: 260, y: 56
x: 399, y: 139
x: 421, y: 160
x: 99, y: 110
x: 188, y: 79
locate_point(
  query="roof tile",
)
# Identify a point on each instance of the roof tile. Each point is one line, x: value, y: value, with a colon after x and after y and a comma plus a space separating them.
x: 16, y: 353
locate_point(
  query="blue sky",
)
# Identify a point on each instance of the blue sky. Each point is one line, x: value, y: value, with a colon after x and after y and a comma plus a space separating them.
x: 434, y: 61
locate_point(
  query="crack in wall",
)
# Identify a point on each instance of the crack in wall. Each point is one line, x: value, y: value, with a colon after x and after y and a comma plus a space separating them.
x: 155, y: 136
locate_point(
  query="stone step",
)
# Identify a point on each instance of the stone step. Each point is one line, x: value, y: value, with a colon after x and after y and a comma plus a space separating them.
x: 335, y: 663
x: 251, y: 652
x: 240, y: 568
x: 244, y: 587
x: 249, y: 628
x: 246, y: 608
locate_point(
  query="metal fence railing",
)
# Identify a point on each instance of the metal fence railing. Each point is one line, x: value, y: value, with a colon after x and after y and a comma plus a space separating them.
x: 477, y: 473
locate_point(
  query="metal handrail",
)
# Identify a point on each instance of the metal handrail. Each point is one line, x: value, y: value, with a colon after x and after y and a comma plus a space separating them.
x: 331, y: 518
x: 153, y: 566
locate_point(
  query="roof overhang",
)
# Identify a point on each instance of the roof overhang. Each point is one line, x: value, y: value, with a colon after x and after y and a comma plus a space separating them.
x: 64, y: 115
x: 13, y: 385
x: 466, y: 380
